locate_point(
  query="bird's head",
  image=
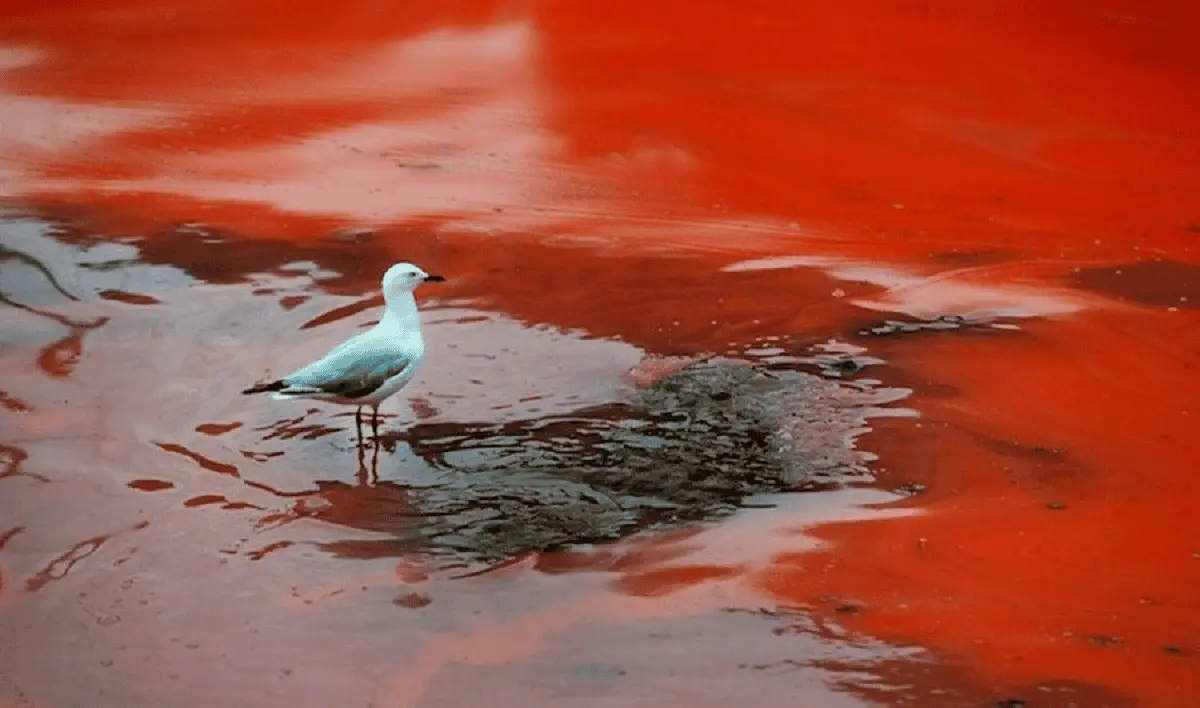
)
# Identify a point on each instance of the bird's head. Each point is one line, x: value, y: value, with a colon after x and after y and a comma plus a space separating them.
x: 405, y: 277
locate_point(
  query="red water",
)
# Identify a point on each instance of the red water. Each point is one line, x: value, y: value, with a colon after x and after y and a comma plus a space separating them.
x: 756, y: 170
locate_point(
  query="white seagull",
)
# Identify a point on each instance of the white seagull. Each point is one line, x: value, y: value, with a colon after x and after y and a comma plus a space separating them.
x: 369, y: 367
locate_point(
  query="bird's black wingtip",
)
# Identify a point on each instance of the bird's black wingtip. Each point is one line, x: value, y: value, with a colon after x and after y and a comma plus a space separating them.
x: 265, y: 388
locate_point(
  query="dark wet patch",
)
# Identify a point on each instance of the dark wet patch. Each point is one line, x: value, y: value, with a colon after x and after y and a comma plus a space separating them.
x: 296, y: 427
x: 206, y: 463
x: 215, y: 429
x: 58, y: 568
x: 60, y: 358
x: 211, y: 499
x: 11, y: 459
x: 412, y: 600
x: 291, y: 302
x: 6, y: 536
x: 129, y: 298
x: 151, y: 485
x: 1037, y: 464
x: 14, y: 404
x: 234, y: 506
x: 691, y: 447
x: 205, y: 500
x: 343, y: 311
x: 269, y: 549
x: 1159, y: 282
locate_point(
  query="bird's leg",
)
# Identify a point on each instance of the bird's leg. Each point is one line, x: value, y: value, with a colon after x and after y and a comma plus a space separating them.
x: 363, y: 476
x: 374, y: 478
x: 358, y: 424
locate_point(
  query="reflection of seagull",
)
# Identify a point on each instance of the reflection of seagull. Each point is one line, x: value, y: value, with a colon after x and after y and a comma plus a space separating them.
x: 371, y: 366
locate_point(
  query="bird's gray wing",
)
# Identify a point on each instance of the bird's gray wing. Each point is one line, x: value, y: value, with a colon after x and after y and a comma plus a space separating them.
x: 349, y: 373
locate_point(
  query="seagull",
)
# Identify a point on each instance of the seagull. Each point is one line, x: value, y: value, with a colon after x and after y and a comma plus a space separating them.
x: 371, y: 366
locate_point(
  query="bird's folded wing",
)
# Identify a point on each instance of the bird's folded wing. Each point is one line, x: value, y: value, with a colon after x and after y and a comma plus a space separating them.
x: 350, y: 373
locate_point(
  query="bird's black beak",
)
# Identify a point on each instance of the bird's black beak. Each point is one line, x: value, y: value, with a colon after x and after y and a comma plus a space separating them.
x: 434, y: 279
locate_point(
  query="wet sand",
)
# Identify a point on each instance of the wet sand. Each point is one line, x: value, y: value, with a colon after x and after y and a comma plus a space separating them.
x: 198, y: 195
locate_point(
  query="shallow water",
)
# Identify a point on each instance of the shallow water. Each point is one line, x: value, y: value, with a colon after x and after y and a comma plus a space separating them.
x: 957, y: 248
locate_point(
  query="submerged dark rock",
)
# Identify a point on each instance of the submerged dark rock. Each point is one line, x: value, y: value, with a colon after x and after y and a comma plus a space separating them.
x: 691, y: 447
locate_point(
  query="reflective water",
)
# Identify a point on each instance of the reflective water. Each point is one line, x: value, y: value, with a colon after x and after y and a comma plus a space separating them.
x: 954, y: 247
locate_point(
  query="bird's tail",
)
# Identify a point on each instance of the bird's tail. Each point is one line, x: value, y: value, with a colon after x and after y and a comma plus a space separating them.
x: 265, y: 388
